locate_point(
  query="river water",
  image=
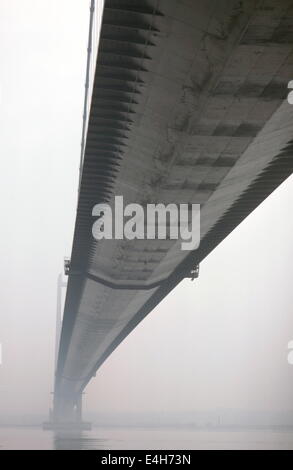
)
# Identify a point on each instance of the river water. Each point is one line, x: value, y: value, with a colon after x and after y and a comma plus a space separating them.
x: 143, y: 438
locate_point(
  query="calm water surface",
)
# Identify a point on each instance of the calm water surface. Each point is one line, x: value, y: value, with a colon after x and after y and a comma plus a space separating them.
x: 143, y: 438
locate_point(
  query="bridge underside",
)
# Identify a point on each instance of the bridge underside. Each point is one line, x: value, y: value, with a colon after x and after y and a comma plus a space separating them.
x: 188, y: 106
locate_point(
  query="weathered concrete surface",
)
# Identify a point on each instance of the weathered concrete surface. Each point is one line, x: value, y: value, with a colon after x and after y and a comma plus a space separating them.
x: 188, y: 105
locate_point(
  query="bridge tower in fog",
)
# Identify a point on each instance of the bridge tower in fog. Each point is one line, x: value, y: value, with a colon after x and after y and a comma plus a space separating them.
x: 69, y: 416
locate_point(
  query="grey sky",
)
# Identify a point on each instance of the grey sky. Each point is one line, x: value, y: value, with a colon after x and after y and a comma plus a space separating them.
x: 218, y: 342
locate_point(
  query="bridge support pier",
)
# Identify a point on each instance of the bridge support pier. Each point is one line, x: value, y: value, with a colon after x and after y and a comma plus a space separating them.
x: 78, y: 409
x: 67, y: 415
x: 67, y: 410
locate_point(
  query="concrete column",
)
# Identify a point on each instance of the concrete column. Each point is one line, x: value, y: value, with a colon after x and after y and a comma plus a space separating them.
x: 78, y: 409
x: 60, y: 284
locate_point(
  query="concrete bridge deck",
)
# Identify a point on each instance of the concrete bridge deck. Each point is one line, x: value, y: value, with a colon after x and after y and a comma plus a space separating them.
x: 187, y: 104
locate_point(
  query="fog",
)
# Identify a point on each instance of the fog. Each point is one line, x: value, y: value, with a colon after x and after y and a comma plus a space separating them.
x: 218, y: 342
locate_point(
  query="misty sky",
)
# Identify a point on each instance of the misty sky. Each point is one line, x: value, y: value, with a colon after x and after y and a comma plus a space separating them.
x: 219, y: 342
